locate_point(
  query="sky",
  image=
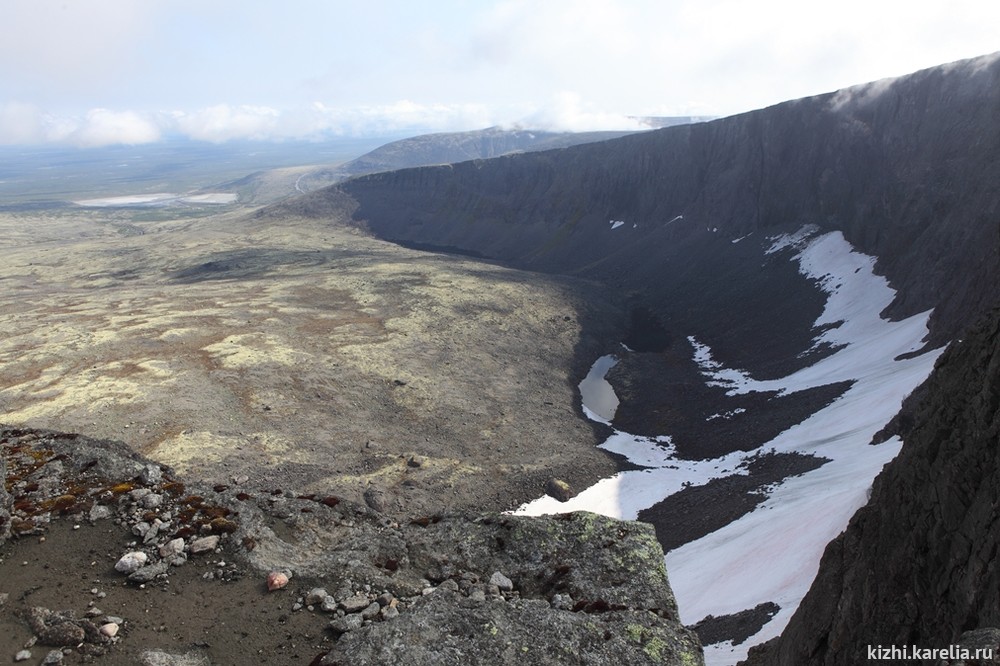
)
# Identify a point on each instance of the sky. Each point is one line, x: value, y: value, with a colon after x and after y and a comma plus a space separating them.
x: 101, y: 72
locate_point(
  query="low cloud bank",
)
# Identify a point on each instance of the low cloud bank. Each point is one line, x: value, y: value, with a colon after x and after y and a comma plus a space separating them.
x: 26, y: 124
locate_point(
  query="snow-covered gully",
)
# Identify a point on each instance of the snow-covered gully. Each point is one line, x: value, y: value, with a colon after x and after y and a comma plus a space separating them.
x: 772, y: 553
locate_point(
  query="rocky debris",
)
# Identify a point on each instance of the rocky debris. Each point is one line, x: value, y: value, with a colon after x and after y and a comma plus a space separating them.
x: 23, y: 655
x: 985, y: 641
x: 588, y: 576
x: 59, y: 475
x: 450, y: 629
x: 61, y: 628
x: 161, y: 658
x: 355, y: 603
x: 929, y: 526
x: 347, y: 622
x: 148, y: 573
x: 6, y: 502
x: 53, y: 657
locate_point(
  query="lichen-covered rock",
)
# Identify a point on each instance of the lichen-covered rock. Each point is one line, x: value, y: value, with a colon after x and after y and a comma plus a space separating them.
x: 530, y: 590
x: 6, y: 501
x: 58, y: 628
x: 446, y: 628
x: 558, y: 489
x: 596, y: 560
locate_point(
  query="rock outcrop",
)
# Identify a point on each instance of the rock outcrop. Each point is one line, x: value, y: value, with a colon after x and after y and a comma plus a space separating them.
x: 447, y: 589
x: 918, y: 565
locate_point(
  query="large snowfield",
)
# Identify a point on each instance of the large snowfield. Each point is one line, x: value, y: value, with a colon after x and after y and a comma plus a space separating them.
x: 772, y: 553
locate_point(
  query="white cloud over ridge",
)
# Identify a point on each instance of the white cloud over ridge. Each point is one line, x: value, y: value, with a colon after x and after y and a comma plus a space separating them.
x: 27, y: 124
x: 101, y: 127
x: 222, y: 122
x: 108, y: 71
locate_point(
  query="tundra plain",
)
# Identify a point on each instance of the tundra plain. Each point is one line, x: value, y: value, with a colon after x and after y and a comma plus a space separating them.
x: 301, y: 354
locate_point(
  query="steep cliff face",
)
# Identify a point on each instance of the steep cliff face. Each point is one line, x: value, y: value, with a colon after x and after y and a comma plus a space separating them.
x: 680, y: 221
x: 905, y: 168
x: 918, y: 565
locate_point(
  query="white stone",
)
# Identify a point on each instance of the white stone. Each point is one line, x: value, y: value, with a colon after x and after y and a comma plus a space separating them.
x: 205, y: 544
x: 316, y: 595
x: 131, y: 562
x: 152, y: 501
x: 505, y: 584
x: 172, y: 548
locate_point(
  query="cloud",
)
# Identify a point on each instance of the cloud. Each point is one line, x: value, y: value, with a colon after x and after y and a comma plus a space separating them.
x: 21, y: 124
x: 26, y: 124
x: 406, y: 115
x: 568, y: 112
x: 389, y: 66
x: 222, y: 122
x: 225, y: 123
x: 102, y: 127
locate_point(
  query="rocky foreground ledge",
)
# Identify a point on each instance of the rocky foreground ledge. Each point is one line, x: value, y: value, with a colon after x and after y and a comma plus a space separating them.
x: 306, y: 578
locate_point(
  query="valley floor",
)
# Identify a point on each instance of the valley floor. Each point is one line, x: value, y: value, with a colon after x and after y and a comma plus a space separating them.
x: 300, y: 355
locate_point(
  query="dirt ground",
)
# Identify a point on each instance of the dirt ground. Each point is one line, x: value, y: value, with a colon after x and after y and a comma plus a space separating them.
x: 234, y: 622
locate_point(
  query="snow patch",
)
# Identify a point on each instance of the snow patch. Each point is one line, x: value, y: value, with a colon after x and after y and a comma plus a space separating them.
x: 726, y: 415
x: 796, y: 239
x: 599, y: 400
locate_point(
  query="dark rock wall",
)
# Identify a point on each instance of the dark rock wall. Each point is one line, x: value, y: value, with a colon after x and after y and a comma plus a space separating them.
x: 918, y: 565
x: 906, y: 168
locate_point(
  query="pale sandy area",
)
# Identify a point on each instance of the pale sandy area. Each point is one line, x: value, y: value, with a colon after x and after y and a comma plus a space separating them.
x: 159, y: 198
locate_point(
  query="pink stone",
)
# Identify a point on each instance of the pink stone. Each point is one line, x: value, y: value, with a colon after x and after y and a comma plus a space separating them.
x: 276, y: 580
